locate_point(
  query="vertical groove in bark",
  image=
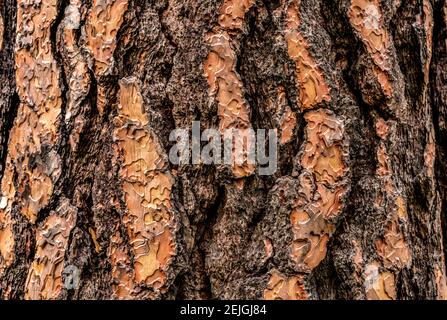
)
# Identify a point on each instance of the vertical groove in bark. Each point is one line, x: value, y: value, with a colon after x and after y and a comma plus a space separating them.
x: 9, y: 99
x: 439, y: 105
x: 8, y: 110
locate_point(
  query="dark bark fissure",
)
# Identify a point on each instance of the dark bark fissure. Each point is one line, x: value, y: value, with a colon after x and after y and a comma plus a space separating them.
x: 405, y: 39
x: 8, y: 123
x: 437, y: 89
x: 9, y: 98
x: 202, y: 238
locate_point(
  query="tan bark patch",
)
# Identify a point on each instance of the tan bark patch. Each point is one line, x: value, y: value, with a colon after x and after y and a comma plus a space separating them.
x: 281, y: 287
x: 6, y: 245
x: 36, y: 125
x: 384, y: 168
x: 428, y: 24
x: 379, y: 285
x: 382, y: 128
x: 76, y: 68
x: 122, y: 273
x: 224, y: 82
x: 366, y: 18
x: 44, y: 279
x: 392, y: 248
x: 268, y: 249
x: 323, y: 153
x: 232, y: 13
x: 283, y: 116
x: 311, y: 84
x: 321, y: 188
x: 94, y: 239
x: 441, y: 283
x: 6, y: 235
x: 287, y: 124
x: 147, y: 186
x: 103, y: 23
x: 401, y: 208
x: 309, y: 247
x: 320, y: 192
x: 430, y: 154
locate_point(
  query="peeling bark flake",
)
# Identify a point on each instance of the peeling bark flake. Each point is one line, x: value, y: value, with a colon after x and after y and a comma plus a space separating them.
x: 379, y: 285
x: 441, y: 283
x: 122, y: 273
x: 103, y: 24
x: 288, y: 124
x: 392, y: 248
x: 311, y: 84
x: 281, y: 287
x: 147, y: 186
x: 428, y: 24
x: 223, y: 80
x: 321, y: 189
x: 76, y: 68
x: 44, y: 279
x: 30, y: 173
x: 366, y: 18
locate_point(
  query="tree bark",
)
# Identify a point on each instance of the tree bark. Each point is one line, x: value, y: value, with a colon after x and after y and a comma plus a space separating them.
x: 92, y: 208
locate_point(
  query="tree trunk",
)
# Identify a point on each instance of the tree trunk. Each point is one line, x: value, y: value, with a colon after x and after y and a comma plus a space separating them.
x: 91, y: 207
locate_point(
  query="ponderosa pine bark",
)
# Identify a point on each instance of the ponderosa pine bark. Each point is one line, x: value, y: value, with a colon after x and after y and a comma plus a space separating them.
x: 91, y: 90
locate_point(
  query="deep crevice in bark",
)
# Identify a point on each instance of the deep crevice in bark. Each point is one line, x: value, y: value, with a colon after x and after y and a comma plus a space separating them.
x: 437, y: 85
x: 7, y: 74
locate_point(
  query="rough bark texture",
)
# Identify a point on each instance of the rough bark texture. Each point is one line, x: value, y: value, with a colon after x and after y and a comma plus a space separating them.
x: 91, y: 90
